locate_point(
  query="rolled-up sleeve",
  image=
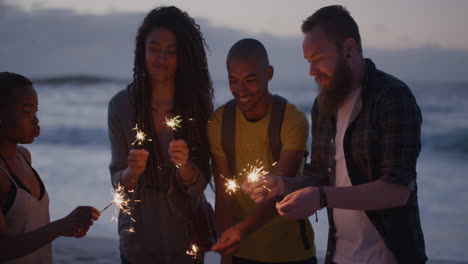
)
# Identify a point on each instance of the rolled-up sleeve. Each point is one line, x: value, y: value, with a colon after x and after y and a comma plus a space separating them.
x: 399, y: 120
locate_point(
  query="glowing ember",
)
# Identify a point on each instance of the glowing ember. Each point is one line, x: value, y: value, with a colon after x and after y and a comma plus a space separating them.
x: 174, y: 123
x: 140, y: 136
x: 131, y: 230
x: 193, y: 251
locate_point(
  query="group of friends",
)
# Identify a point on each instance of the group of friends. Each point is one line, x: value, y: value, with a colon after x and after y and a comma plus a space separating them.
x: 361, y: 167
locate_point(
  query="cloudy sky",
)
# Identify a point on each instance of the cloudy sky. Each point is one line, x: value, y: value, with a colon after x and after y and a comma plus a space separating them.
x: 415, y: 40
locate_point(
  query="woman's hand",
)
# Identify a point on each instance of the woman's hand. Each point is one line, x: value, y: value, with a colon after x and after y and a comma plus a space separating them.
x: 137, y: 161
x: 179, y: 152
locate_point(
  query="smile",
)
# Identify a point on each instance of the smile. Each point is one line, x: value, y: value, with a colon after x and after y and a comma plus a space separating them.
x: 244, y: 99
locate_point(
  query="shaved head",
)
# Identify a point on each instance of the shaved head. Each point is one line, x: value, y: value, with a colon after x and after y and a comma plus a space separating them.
x: 247, y: 48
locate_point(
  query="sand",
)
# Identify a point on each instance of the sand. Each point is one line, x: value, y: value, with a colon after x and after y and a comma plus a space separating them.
x: 102, y: 251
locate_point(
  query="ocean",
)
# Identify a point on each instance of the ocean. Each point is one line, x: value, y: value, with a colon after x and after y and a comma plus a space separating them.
x: 72, y: 154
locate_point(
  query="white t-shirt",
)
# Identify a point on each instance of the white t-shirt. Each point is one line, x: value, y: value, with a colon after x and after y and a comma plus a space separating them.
x: 357, y: 240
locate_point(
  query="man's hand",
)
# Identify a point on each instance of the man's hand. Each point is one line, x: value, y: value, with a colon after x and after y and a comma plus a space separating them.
x: 229, y: 241
x: 269, y: 187
x: 299, y: 204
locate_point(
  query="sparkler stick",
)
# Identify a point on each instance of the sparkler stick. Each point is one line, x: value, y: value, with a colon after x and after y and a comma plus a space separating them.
x: 105, y: 208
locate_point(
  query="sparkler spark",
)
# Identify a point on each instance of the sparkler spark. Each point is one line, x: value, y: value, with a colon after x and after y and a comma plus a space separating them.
x: 140, y: 136
x: 193, y: 251
x: 174, y: 123
x: 231, y: 186
x: 256, y: 173
x: 119, y: 200
x: 121, y: 203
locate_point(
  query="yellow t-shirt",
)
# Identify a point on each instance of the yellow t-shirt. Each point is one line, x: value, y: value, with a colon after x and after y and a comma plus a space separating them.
x: 279, y: 240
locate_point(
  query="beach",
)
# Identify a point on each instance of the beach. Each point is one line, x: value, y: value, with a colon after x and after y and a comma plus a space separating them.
x: 105, y: 251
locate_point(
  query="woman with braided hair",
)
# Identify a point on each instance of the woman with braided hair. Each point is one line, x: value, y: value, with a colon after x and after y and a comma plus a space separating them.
x: 170, y: 78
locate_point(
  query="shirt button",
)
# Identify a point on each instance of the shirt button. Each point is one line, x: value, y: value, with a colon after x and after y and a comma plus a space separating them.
x: 329, y: 169
x: 331, y: 141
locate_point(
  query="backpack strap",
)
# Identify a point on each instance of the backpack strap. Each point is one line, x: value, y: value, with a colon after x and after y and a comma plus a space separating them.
x: 228, y: 128
x: 274, y: 127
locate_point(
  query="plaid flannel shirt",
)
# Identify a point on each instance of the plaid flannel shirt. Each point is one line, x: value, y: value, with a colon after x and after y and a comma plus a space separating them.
x: 382, y: 142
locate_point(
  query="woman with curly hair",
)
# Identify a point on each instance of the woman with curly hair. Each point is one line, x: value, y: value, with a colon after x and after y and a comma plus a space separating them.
x: 166, y: 176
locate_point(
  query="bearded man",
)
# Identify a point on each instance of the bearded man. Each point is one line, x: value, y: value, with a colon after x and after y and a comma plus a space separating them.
x: 366, y: 128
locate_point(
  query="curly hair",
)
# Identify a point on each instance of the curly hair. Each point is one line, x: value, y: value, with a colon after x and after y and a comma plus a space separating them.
x: 193, y: 97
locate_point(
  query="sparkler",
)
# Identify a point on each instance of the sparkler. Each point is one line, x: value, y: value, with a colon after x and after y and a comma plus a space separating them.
x: 231, y: 186
x: 193, y: 251
x: 119, y: 200
x: 121, y: 203
x: 174, y: 123
x: 140, y: 136
x: 256, y: 173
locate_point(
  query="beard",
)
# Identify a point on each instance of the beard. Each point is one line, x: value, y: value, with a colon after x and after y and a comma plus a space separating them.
x: 333, y: 94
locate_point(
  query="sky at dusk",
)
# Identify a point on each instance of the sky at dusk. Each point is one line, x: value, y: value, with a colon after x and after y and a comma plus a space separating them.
x: 416, y: 40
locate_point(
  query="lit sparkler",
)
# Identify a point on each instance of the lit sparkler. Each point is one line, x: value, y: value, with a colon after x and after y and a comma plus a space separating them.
x: 140, y: 136
x: 119, y: 199
x: 256, y: 173
x: 231, y: 186
x: 174, y: 123
x: 193, y: 251
x: 121, y: 203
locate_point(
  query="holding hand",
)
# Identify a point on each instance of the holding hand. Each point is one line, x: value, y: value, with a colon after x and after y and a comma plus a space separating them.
x: 299, y: 204
x: 78, y: 222
x: 229, y: 242
x: 137, y: 161
x: 179, y: 152
x: 257, y: 191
